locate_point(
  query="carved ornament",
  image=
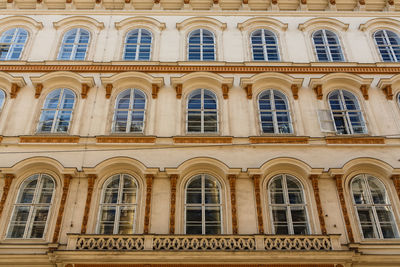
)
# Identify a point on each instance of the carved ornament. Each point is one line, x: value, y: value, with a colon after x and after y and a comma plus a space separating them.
x: 278, y: 140
x: 127, y: 1
x: 203, y: 139
x: 245, y: 2
x: 339, y: 186
x: 173, y: 178
x: 364, y: 91
x: 295, y: 91
x: 388, y: 92
x: 178, y: 89
x: 318, y: 91
x: 149, y: 185
x: 355, y: 140
x: 249, y: 91
x: 85, y: 90
x: 38, y: 90
x: 232, y: 185
x: 14, y: 90
x: 126, y: 139
x: 314, y: 181
x: 49, y: 139
x: 361, y: 2
x: 391, y: 2
x: 91, y: 179
x: 6, y: 189
x: 225, y: 90
x: 256, y: 180
x: 274, y: 2
x: 303, y: 2
x: 186, y: 2
x: 154, y: 90
x: 109, y: 88
x: 67, y: 180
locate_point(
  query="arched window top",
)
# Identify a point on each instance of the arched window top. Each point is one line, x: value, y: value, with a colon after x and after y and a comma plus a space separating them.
x: 74, y: 44
x: 12, y: 43
x: 288, y: 205
x: 203, y: 205
x: 372, y: 205
x: 32, y: 207
x: 350, y: 98
x: 264, y: 45
x: 388, y: 44
x: 201, y: 45
x: 130, y: 109
x: 138, y: 45
x: 57, y: 111
x: 118, y: 205
x: 327, y: 46
x: 274, y: 112
x: 202, y: 112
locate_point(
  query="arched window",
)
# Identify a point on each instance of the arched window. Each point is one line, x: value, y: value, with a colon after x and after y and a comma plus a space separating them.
x: 287, y: 205
x: 201, y: 45
x: 274, y: 112
x: 74, y: 45
x: 138, y: 45
x: 264, y: 45
x: 117, y: 211
x: 372, y: 205
x: 12, y: 43
x: 327, y: 46
x: 129, y: 112
x: 57, y: 111
x: 32, y: 207
x: 346, y: 113
x: 202, y: 112
x: 203, y: 208
x: 2, y: 99
x: 388, y: 44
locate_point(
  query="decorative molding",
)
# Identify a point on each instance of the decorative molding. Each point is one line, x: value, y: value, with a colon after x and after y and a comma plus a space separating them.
x: 85, y: 90
x: 173, y: 178
x: 178, y: 89
x: 126, y: 139
x: 38, y: 90
x: 249, y: 91
x: 256, y: 180
x: 278, y: 140
x: 314, y: 181
x: 49, y: 139
x: 396, y: 181
x: 91, y: 179
x: 225, y: 90
x: 79, y: 20
x: 99, y: 68
x: 318, y: 91
x: 203, y: 139
x: 139, y: 20
x: 109, y: 88
x: 339, y: 186
x: 232, y: 185
x: 14, y: 90
x: 6, y: 189
x: 149, y: 185
x: 154, y: 90
x: 364, y: 91
x: 262, y: 21
x: 200, y: 21
x: 211, y: 265
x: 295, y: 91
x: 67, y: 180
x: 355, y: 140
x: 387, y: 90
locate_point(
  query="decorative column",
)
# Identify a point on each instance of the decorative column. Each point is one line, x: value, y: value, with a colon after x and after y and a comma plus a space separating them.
x: 339, y: 186
x: 67, y: 180
x: 6, y: 188
x: 91, y: 178
x: 314, y: 181
x: 149, y: 185
x: 396, y: 180
x: 173, y: 178
x: 232, y: 185
x: 256, y: 179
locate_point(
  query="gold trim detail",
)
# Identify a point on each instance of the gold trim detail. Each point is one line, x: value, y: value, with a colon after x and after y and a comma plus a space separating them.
x: 49, y: 139
x: 173, y: 179
x: 232, y: 185
x: 67, y: 180
x: 355, y: 140
x: 91, y: 180
x: 256, y: 180
x: 126, y: 139
x: 278, y: 140
x: 203, y: 139
x: 6, y: 188
x: 339, y: 186
x: 149, y: 185
x: 314, y: 181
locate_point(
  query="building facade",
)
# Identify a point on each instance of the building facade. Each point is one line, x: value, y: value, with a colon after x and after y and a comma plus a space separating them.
x: 200, y: 133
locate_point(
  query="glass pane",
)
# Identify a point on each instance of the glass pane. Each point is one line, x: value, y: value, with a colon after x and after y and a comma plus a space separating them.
x: 126, y: 220
x: 193, y: 214
x: 39, y: 222
x: 367, y: 222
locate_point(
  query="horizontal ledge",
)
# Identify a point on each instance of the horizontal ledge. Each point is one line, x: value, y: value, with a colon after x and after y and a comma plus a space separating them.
x: 278, y: 140
x: 49, y: 139
x: 126, y: 139
x: 203, y: 139
x: 355, y: 140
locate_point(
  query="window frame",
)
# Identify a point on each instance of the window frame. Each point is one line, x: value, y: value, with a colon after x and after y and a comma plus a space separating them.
x: 75, y: 44
x: 13, y: 44
x: 265, y: 45
x: 201, y: 45
x: 392, y: 54
x: 327, y: 47
x: 138, y: 45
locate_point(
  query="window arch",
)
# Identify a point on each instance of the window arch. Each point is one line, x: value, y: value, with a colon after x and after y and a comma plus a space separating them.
x: 388, y: 44
x: 372, y: 206
x: 264, y: 45
x: 274, y: 112
x: 32, y: 207
x: 74, y: 45
x: 287, y: 205
x: 138, y: 45
x: 346, y: 112
x: 202, y: 112
x: 327, y: 46
x: 12, y: 43
x: 201, y: 45
x: 129, y: 114
x: 203, y: 205
x: 57, y: 111
x: 117, y: 213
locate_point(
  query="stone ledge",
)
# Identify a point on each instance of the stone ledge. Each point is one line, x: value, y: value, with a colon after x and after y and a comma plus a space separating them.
x: 355, y: 140
x: 278, y: 140
x: 49, y: 139
x: 203, y: 139
x: 126, y: 139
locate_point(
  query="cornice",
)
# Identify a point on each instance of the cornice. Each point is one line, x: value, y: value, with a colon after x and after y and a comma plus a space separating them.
x: 102, y: 68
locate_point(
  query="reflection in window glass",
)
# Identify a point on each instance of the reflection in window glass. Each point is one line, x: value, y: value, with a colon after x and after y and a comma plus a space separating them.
x: 2, y: 99
x: 203, y: 206
x: 74, y: 45
x: 12, y: 43
x: 327, y: 46
x: 201, y: 45
x: 388, y: 44
x: 288, y: 207
x: 264, y: 45
x: 129, y: 112
x: 31, y: 210
x: 202, y: 113
x: 138, y: 45
x: 118, y: 205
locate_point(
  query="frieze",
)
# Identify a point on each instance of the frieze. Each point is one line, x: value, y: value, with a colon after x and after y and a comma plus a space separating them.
x: 49, y: 139
x: 125, y: 139
x: 278, y: 140
x: 355, y: 140
x: 201, y: 139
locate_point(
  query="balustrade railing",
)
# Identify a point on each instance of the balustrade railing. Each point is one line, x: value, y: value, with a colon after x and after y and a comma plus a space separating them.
x: 204, y: 242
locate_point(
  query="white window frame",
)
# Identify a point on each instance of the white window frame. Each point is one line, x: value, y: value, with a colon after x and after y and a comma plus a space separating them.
x: 370, y: 205
x: 327, y: 47
x: 203, y: 205
x: 265, y: 45
x: 287, y: 203
x: 74, y: 45
x: 387, y: 46
x: 32, y: 206
x: 203, y: 91
x: 201, y: 45
x: 57, y: 110
x: 119, y: 203
x: 274, y: 111
x: 139, y: 44
x: 12, y: 45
